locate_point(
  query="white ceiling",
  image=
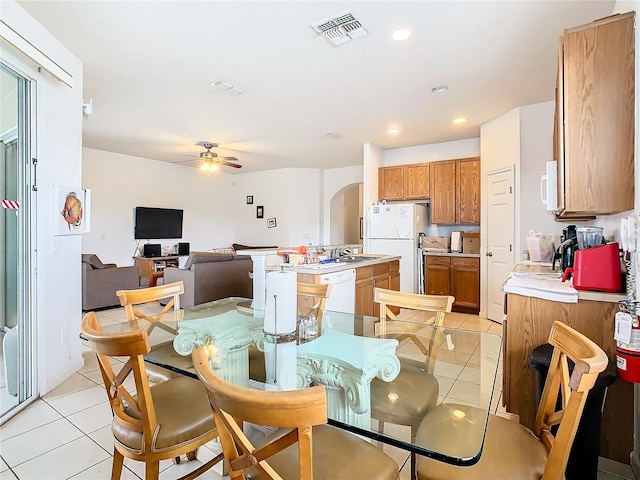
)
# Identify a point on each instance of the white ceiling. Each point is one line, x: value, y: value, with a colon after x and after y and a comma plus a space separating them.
x: 148, y: 66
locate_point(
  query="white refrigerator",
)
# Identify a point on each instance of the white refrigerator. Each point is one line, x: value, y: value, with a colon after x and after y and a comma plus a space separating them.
x: 393, y: 229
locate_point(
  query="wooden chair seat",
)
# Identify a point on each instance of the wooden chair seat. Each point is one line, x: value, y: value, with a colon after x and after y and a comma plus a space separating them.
x: 511, y: 451
x: 419, y: 390
x: 334, y: 457
x: 179, y: 421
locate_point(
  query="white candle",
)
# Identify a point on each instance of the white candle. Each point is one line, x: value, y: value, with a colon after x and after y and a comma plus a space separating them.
x: 281, y: 308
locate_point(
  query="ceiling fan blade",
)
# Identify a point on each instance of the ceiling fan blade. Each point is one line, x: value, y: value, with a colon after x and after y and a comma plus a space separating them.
x: 229, y: 164
x: 231, y: 159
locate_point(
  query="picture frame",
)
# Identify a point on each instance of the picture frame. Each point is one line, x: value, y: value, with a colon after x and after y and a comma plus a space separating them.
x: 271, y: 222
x: 71, y: 210
x: 249, y: 199
x: 259, y: 211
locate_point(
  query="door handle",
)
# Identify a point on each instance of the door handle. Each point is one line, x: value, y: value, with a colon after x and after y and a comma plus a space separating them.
x: 489, y: 254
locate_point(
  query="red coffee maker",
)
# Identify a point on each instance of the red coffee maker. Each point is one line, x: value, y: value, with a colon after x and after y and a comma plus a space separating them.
x: 596, y: 268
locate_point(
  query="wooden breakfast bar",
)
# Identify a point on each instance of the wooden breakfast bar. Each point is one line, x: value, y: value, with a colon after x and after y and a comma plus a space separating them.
x: 527, y: 326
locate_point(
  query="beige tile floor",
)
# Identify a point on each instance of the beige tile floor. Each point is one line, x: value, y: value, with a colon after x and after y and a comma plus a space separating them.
x: 66, y: 433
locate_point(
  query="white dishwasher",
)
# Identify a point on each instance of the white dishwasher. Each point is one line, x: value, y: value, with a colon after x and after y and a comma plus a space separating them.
x: 342, y: 297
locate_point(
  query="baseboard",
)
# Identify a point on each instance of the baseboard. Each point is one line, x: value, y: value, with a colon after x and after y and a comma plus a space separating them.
x: 612, y: 467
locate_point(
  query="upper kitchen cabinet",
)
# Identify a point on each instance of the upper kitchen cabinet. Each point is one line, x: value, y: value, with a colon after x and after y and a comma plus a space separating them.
x: 468, y: 190
x: 455, y: 191
x: 594, y: 130
x: 404, y: 182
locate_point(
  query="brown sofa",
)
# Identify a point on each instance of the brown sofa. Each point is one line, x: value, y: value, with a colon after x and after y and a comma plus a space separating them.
x: 100, y: 281
x: 211, y: 276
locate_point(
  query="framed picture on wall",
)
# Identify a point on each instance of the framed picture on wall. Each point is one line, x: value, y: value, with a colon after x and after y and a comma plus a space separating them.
x: 71, y: 210
x: 249, y: 199
x: 271, y: 222
x: 259, y: 211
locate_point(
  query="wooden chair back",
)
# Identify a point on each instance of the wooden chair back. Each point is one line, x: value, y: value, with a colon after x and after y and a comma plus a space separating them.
x: 297, y: 410
x: 132, y: 412
x: 440, y: 304
x: 589, y: 361
x: 427, y: 341
x: 130, y: 298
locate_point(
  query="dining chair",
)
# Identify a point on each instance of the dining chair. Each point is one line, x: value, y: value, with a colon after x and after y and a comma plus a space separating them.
x: 153, y: 423
x: 312, y: 298
x: 322, y: 451
x: 132, y: 299
x: 406, y: 399
x: 510, y: 449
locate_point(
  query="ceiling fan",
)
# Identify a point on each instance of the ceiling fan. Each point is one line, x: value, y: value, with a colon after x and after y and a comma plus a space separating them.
x: 211, y: 160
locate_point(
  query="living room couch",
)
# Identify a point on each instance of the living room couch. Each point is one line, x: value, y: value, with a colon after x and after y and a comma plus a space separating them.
x: 211, y: 276
x: 100, y: 281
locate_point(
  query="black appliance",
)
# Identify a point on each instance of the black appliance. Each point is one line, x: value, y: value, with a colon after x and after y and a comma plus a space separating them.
x: 568, y: 247
x: 157, y: 223
x: 183, y: 248
x: 151, y: 250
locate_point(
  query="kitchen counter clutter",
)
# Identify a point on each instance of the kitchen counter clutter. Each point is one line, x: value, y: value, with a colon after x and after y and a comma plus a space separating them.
x: 532, y: 279
x: 339, y: 265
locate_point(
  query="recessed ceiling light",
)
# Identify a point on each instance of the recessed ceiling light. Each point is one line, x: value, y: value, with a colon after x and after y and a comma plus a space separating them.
x: 440, y: 89
x: 393, y: 131
x: 401, y: 34
x: 460, y: 120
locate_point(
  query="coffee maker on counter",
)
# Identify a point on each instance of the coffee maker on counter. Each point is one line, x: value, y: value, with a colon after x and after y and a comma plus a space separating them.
x: 567, y: 249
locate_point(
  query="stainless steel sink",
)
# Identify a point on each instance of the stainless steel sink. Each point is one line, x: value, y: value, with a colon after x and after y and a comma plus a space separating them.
x: 355, y: 259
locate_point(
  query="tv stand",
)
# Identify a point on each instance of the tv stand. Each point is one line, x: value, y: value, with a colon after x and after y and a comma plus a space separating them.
x: 153, y: 267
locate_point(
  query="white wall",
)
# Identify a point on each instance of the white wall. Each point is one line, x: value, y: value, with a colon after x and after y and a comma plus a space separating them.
x: 334, y: 181
x: 58, y: 149
x: 215, y: 210
x: 432, y: 152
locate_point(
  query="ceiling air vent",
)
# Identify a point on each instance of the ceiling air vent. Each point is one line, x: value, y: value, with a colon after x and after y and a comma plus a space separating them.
x: 340, y: 28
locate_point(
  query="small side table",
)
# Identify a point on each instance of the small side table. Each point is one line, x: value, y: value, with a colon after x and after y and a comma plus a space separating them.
x: 153, y: 281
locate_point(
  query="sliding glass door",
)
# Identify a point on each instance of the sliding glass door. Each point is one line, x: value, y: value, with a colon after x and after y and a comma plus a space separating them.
x: 17, y: 373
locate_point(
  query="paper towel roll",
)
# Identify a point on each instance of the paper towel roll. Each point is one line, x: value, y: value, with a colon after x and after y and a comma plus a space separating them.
x: 280, y: 365
x: 281, y: 309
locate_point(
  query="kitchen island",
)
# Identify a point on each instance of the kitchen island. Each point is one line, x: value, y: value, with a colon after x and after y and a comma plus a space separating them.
x: 365, y: 271
x: 528, y: 322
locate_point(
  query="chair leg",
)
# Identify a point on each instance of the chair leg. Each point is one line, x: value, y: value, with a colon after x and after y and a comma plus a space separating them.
x: 191, y: 455
x: 116, y: 468
x: 152, y: 470
x: 413, y: 466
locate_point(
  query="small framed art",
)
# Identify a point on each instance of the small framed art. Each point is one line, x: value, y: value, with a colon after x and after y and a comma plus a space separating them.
x: 249, y: 199
x: 259, y: 211
x: 271, y: 222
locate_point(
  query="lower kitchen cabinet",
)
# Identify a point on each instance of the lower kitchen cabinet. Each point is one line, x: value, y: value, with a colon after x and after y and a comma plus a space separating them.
x: 459, y: 277
x: 381, y: 275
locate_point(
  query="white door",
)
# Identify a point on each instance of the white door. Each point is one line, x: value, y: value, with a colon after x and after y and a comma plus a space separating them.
x: 500, y: 238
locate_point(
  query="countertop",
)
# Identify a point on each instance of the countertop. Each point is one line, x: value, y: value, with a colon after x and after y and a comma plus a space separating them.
x: 322, y: 268
x: 451, y: 254
x: 545, y: 270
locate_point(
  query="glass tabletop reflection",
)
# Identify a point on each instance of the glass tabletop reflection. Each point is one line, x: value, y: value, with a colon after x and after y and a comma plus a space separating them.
x: 381, y: 378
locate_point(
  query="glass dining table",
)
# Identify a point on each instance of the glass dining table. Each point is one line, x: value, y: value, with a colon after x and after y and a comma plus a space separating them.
x: 355, y: 357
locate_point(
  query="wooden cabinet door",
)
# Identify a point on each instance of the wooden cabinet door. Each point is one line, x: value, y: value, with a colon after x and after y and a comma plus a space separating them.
x: 465, y: 282
x: 416, y: 181
x: 443, y: 192
x: 391, y: 183
x: 598, y: 118
x: 437, y: 274
x: 468, y: 190
x: 364, y: 291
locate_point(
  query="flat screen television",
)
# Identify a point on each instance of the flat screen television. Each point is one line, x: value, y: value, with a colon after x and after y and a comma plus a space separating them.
x: 154, y: 223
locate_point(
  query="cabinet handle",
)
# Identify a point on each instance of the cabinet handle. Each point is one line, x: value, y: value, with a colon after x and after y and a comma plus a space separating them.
x: 489, y: 254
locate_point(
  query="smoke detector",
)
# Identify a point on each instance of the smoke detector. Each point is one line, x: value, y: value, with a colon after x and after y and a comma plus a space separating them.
x: 340, y: 28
